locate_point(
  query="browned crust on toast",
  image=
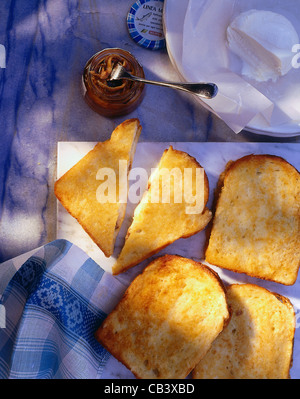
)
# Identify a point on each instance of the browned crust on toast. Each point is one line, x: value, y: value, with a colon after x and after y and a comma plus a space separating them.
x: 220, y: 361
x: 230, y: 166
x: 162, y: 263
x: 205, y: 215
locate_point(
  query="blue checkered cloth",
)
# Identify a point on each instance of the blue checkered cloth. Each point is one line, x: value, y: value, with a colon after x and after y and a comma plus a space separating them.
x: 51, y: 306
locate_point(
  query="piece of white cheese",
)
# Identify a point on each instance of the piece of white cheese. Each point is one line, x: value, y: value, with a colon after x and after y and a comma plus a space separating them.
x: 264, y: 41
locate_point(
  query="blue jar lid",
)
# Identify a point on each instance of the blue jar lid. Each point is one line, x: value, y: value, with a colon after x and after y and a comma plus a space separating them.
x: 145, y: 25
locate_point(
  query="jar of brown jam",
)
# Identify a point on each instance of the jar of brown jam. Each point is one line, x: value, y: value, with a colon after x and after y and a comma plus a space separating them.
x: 112, y: 98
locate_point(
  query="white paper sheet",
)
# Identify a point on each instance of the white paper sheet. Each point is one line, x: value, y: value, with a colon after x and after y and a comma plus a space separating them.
x: 213, y: 157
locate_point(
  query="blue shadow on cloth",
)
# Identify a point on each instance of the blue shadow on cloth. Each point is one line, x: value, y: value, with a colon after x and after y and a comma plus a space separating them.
x: 51, y: 316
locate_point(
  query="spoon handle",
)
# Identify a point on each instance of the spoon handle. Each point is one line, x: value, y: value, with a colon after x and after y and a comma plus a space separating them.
x: 205, y: 90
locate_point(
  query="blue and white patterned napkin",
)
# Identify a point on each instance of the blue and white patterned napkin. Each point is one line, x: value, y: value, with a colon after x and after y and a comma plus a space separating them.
x: 51, y: 303
x: 50, y: 307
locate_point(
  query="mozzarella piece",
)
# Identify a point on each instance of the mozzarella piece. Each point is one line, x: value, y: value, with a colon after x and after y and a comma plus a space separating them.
x: 264, y: 41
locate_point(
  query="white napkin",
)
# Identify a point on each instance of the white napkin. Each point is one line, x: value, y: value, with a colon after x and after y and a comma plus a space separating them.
x: 205, y: 56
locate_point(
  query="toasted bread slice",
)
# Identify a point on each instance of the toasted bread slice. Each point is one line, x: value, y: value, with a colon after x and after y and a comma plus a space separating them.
x: 256, y: 226
x: 258, y: 341
x: 167, y: 319
x: 160, y: 219
x: 101, y: 217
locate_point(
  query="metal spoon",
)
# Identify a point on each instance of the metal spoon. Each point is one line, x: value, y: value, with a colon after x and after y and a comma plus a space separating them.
x: 204, y: 90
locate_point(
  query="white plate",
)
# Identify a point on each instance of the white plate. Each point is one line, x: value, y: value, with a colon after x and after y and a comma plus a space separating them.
x: 174, y: 14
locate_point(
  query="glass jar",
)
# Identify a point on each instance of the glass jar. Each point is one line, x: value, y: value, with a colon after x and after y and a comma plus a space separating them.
x: 112, y: 98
